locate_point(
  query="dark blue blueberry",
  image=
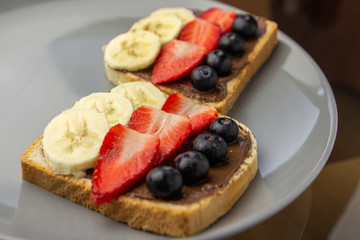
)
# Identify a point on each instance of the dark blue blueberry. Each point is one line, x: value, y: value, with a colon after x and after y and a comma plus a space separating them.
x: 220, y: 61
x: 232, y: 43
x: 212, y: 146
x: 245, y: 25
x: 164, y: 182
x: 193, y: 166
x: 204, y: 78
x: 226, y: 128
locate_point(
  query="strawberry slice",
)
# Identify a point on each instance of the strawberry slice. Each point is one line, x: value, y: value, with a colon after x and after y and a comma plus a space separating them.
x: 201, y: 116
x: 175, y: 60
x: 172, y: 129
x: 125, y: 157
x: 224, y: 18
x: 202, y: 33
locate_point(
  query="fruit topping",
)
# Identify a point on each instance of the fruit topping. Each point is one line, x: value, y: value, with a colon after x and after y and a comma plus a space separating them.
x: 175, y: 60
x: 186, y: 15
x: 133, y: 50
x: 224, y: 18
x: 115, y: 108
x: 141, y: 93
x: 204, y: 78
x: 226, y: 128
x: 164, y: 182
x: 193, y: 166
x: 246, y: 25
x: 232, y: 43
x: 124, y: 158
x: 172, y: 129
x: 202, y: 33
x: 200, y: 116
x: 212, y: 146
x: 220, y: 61
x: 72, y: 140
x: 167, y: 27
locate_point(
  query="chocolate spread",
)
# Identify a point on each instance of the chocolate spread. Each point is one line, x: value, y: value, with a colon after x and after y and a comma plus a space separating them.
x: 217, y: 179
x: 184, y: 86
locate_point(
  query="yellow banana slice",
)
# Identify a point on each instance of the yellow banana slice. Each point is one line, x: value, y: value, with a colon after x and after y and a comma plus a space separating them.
x: 167, y: 27
x: 133, y: 50
x: 114, y: 107
x: 72, y: 140
x: 141, y: 93
x: 184, y: 14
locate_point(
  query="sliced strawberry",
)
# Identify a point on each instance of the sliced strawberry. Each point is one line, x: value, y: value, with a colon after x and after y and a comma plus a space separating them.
x: 125, y: 157
x: 172, y: 129
x: 175, y: 60
x: 201, y: 116
x: 224, y: 18
x: 202, y: 33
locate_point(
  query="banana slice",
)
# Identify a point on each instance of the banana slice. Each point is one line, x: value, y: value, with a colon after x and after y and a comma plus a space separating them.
x: 114, y: 107
x: 141, y: 93
x: 133, y: 50
x: 167, y: 27
x: 184, y: 14
x: 72, y: 140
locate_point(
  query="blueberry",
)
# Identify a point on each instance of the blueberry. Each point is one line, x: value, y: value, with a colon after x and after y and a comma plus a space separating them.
x: 226, y: 128
x: 203, y: 78
x: 245, y: 25
x: 220, y: 61
x: 232, y: 43
x: 164, y: 181
x: 193, y: 166
x: 212, y: 146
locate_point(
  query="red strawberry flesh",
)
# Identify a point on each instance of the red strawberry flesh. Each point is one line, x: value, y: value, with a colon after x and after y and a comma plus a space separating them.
x: 201, y: 33
x: 201, y: 116
x: 173, y: 130
x: 176, y: 60
x: 125, y: 157
x: 224, y: 18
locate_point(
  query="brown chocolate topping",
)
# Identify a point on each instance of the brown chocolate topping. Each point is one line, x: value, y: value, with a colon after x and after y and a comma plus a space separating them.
x: 217, y: 179
x: 184, y: 86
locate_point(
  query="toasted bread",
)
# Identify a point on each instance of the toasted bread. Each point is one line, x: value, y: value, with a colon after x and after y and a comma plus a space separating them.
x: 257, y: 51
x: 160, y: 216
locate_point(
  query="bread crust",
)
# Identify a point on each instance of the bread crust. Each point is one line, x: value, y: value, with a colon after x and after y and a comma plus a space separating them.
x: 259, y: 55
x: 178, y: 220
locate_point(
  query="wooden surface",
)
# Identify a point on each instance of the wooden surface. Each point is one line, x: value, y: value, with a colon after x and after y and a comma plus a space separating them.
x: 330, y: 207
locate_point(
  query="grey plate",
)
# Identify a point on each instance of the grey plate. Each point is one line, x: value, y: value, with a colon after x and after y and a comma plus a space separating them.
x: 50, y: 56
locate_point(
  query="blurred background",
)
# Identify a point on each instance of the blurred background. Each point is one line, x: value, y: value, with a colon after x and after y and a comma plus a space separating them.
x: 329, y: 31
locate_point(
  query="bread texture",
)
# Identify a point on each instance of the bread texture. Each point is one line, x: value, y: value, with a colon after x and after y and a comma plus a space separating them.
x: 159, y: 216
x: 260, y: 53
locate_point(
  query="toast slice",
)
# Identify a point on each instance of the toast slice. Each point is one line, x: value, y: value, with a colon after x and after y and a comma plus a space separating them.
x: 223, y: 97
x: 174, y: 217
